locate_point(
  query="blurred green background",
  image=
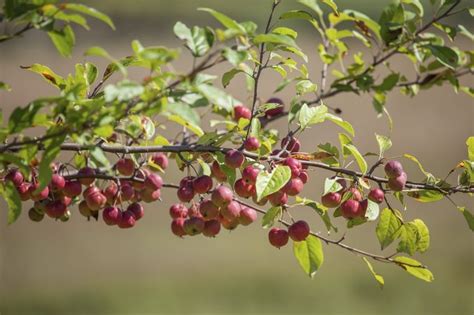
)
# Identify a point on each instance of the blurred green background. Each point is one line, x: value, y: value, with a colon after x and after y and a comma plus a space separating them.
x: 88, y: 268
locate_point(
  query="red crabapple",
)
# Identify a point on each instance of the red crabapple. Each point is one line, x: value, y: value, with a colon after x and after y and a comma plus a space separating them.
x: 41, y: 195
x: 234, y: 158
x: 24, y: 191
x: 397, y: 183
x: 247, y: 216
x: 291, y: 144
x: 111, y: 215
x: 376, y: 195
x: 350, y: 209
x: 193, y: 226
x: 217, y: 172
x: 208, y: 210
x: 293, y: 187
x: 274, y: 111
x: 393, y: 169
x: 202, y: 184
x: 211, y: 228
x: 278, y: 198
x: 15, y: 176
x: 126, y: 167
x: 178, y: 210
x: 137, y: 210
x: 185, y: 193
x: 242, y: 188
x: 177, y: 227
x: 222, y: 196
x: 153, y: 182
x: 55, y: 209
x: 127, y: 220
x: 228, y: 224
x: 231, y: 211
x: 241, y: 111
x: 72, y: 188
x: 331, y: 200
x: 299, y: 231
x: 278, y: 237
x: 160, y: 159
x: 251, y: 144
x: 250, y: 174
x: 84, y: 209
x: 149, y: 196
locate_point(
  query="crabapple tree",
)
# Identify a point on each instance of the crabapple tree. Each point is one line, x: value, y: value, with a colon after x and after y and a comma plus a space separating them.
x: 235, y: 166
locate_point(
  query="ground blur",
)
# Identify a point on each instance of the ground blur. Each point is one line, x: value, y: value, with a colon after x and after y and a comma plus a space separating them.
x: 87, y: 268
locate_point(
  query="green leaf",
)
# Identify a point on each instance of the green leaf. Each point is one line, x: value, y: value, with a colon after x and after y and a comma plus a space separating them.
x: 468, y: 216
x: 23, y: 117
x: 320, y: 209
x: 331, y: 185
x: 269, y: 183
x: 198, y: 40
x: 275, y: 39
x: 271, y: 216
x: 384, y: 144
x: 51, y: 151
x: 217, y: 97
x: 48, y: 74
x: 63, y: 39
x: 91, y: 12
x: 414, y: 159
x: 332, y: 5
x: 422, y: 235
x: 414, y: 268
x: 407, y: 235
x: 185, y: 111
x: 4, y: 86
x: 311, y: 115
x: 123, y: 91
x: 309, y: 254
x: 11, y: 196
x: 470, y: 148
x: 228, y: 76
x: 99, y: 158
x: 387, y: 228
x: 185, y: 123
x: 373, y: 210
x: 377, y: 277
x: 342, y: 123
x: 415, y: 4
x: 445, y: 55
x: 225, y: 20
x: 358, y: 157
x: 234, y: 57
x: 426, y: 195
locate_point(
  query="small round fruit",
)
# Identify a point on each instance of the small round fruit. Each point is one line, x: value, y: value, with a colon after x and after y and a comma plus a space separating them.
x: 241, y: 111
x: 234, y: 158
x: 24, y: 191
x: 376, y: 195
x: 242, y: 188
x: 229, y: 224
x: 231, y: 211
x: 274, y: 111
x: 153, y: 182
x: 185, y: 193
x: 160, y: 159
x: 397, y: 183
x: 356, y: 194
x: 127, y: 220
x: 177, y: 227
x: 126, y: 167
x: 350, y: 209
x: 35, y: 215
x: 291, y: 144
x: 94, y: 198
x: 84, y: 209
x: 211, y: 228
x: 202, y: 184
x: 137, y: 210
x: 15, y: 176
x: 331, y: 200
x: 222, y: 196
x: 293, y: 187
x: 251, y: 144
x: 72, y: 188
x: 250, y: 174
x: 217, y: 172
x: 208, y: 210
x: 304, y: 176
x: 178, y: 210
x: 55, y: 209
x: 278, y: 237
x: 149, y: 196
x: 193, y: 226
x: 37, y: 196
x: 295, y: 166
x: 88, y: 173
x: 127, y: 192
x: 299, y: 231
x: 111, y: 193
x: 247, y: 216
x: 112, y: 215
x: 278, y: 198
x: 393, y: 169
x: 57, y: 182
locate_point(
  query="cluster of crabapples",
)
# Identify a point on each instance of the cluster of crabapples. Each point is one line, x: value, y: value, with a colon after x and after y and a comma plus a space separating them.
x: 55, y: 199
x: 203, y: 208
